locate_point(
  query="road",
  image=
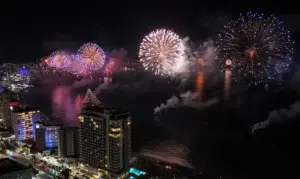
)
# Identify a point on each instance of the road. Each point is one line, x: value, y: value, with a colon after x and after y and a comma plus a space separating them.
x: 50, y: 164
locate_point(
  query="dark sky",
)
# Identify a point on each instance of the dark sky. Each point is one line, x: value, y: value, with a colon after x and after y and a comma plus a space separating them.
x: 30, y: 31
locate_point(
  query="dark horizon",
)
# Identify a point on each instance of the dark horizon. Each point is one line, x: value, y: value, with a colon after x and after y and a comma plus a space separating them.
x: 31, y: 31
x: 205, y: 110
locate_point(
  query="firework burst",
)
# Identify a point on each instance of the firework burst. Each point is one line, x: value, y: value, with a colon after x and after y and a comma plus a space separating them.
x: 92, y: 57
x: 59, y: 59
x: 162, y: 52
x: 257, y: 47
x: 75, y: 67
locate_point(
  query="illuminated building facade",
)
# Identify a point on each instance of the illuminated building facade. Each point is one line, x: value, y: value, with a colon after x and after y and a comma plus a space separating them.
x: 119, y: 142
x: 105, y: 139
x: 92, y: 137
x: 24, y: 123
x: 46, y: 136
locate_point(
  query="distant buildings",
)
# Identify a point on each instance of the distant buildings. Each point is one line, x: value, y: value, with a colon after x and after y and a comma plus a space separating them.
x: 23, y: 123
x: 68, y: 142
x: 46, y: 136
x: 104, y: 138
x: 13, y: 170
x: 5, y: 109
x: 5, y: 112
x: 16, y: 82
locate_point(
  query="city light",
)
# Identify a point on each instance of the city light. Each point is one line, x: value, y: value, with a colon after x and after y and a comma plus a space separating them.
x: 136, y: 172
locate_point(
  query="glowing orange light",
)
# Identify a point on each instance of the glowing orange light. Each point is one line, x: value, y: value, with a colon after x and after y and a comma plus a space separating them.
x: 227, y: 83
x: 46, y: 60
x: 200, y: 84
x: 251, y: 53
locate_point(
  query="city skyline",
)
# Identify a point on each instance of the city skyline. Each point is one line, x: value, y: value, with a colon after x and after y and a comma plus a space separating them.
x: 137, y: 90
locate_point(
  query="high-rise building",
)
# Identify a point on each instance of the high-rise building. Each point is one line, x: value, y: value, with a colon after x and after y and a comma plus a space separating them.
x: 46, y: 136
x: 104, y: 138
x: 8, y: 101
x: 68, y: 142
x: 13, y: 170
x: 23, y: 123
x: 5, y: 112
x: 119, y: 141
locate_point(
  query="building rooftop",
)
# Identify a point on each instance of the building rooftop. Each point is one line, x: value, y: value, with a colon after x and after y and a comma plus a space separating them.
x: 7, y: 166
x: 90, y: 99
x: 92, y: 108
x: 116, y: 113
x: 47, y: 124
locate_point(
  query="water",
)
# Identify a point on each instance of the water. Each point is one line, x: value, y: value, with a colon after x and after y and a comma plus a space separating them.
x: 61, y: 104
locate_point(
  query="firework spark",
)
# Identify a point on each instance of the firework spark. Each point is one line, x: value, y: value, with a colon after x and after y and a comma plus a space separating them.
x: 162, y: 52
x: 92, y: 57
x: 75, y: 67
x: 259, y: 47
x: 59, y: 59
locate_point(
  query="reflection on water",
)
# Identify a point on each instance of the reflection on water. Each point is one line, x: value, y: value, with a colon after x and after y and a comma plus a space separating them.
x: 60, y: 104
x: 65, y: 105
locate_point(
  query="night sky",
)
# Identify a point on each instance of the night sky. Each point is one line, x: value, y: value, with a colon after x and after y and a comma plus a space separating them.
x: 30, y: 31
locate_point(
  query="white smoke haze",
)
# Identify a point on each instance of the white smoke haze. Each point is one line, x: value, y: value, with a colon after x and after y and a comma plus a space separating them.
x: 260, y: 125
x: 81, y: 83
x: 182, y: 63
x: 280, y: 115
x: 99, y: 88
x: 206, y: 50
x: 119, y: 53
x: 188, y: 98
x: 209, y: 53
x: 104, y: 85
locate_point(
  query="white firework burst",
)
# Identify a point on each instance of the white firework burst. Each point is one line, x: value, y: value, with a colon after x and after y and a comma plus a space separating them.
x: 162, y: 52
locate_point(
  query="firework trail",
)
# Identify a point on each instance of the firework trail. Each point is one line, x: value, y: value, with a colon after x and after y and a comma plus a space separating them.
x: 227, y: 84
x: 162, y: 52
x: 200, y: 78
x: 259, y: 47
x: 200, y: 84
x: 205, y: 64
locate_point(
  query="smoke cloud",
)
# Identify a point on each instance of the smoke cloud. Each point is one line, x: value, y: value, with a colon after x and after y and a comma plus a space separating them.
x: 81, y: 83
x: 107, y: 82
x: 188, y: 98
x: 209, y: 53
x: 206, y: 50
x: 278, y: 116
